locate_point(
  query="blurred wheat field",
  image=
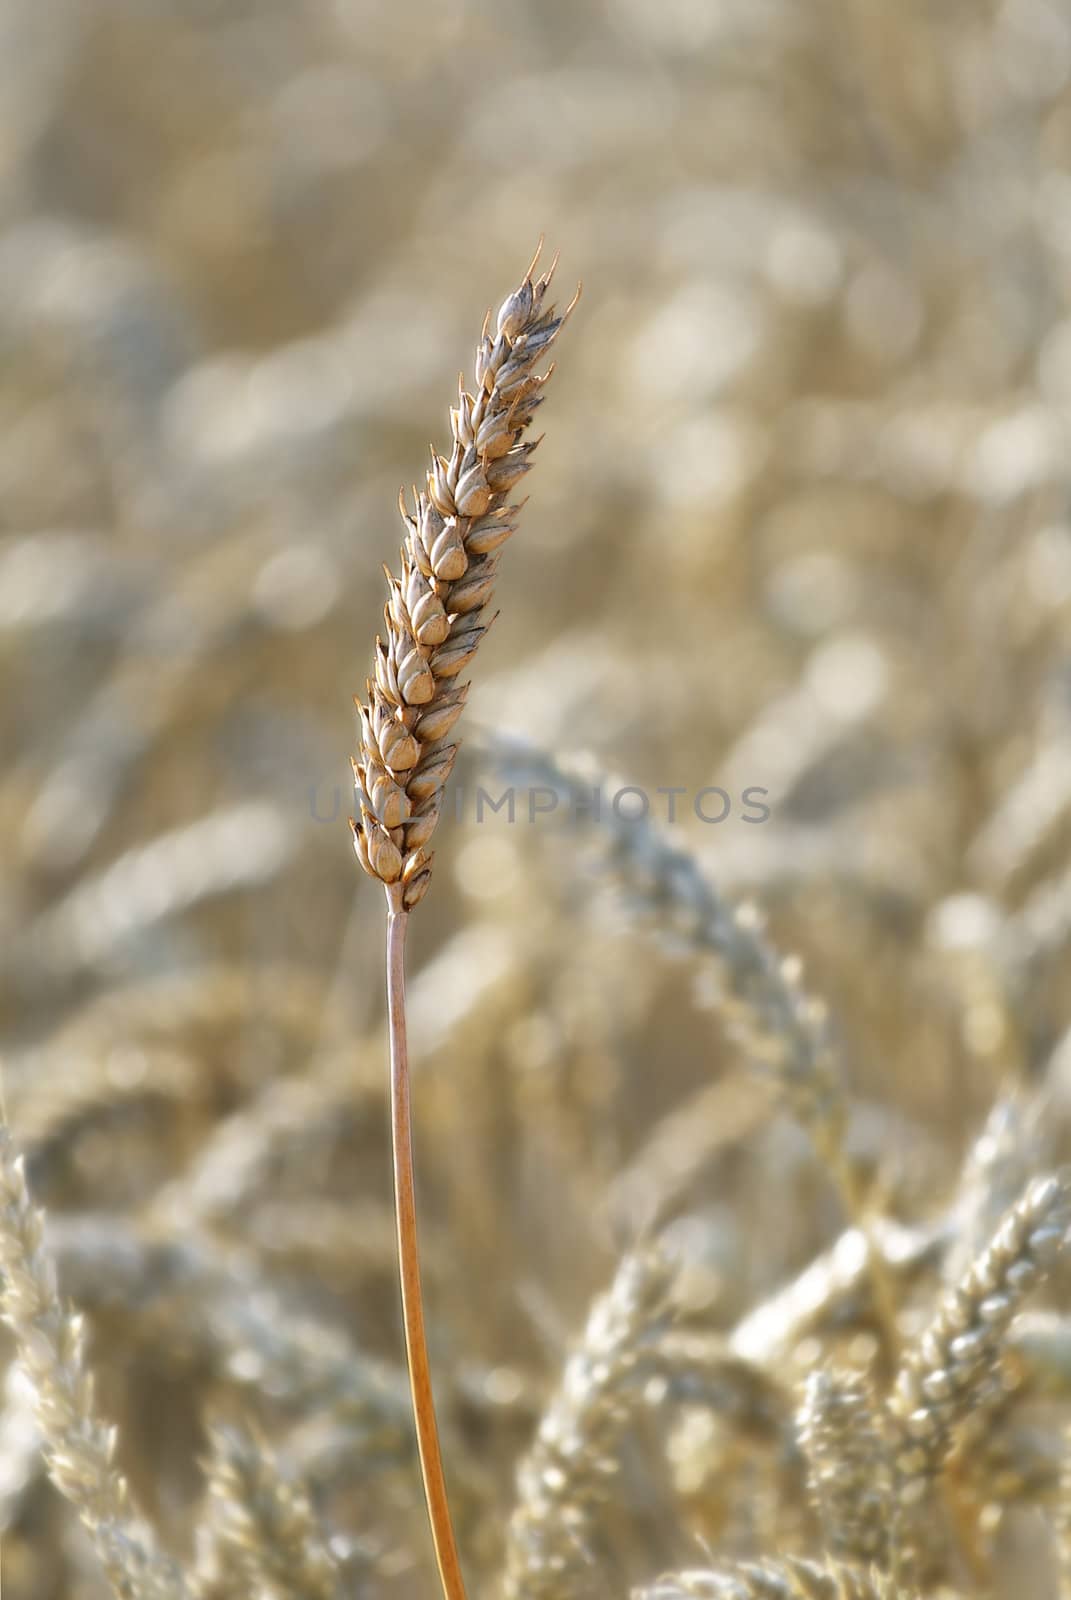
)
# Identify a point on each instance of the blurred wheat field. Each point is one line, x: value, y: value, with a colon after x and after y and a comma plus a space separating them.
x: 693, y: 1180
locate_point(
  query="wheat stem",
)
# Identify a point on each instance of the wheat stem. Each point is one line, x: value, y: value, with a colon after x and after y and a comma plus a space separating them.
x: 416, y: 1345
x: 435, y: 617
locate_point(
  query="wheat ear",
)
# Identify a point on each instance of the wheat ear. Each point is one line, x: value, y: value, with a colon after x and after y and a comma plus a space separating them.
x: 785, y: 1031
x: 79, y: 1448
x: 952, y: 1367
x: 849, y: 1471
x: 569, y: 1471
x: 435, y: 619
x: 263, y: 1535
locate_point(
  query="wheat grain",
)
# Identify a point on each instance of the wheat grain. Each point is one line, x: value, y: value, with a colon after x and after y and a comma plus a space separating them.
x: 436, y: 612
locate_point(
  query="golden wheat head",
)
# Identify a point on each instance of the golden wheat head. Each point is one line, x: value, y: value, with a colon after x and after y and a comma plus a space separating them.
x: 436, y: 611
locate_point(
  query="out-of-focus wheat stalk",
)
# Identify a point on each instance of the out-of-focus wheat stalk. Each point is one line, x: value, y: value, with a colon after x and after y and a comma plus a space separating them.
x: 780, y: 1580
x: 213, y: 1306
x: 784, y: 1031
x: 997, y: 1170
x: 832, y: 1289
x: 79, y: 1447
x: 434, y: 624
x: 242, y: 845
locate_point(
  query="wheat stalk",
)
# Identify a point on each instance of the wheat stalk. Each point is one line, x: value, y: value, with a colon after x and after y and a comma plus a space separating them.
x: 435, y: 618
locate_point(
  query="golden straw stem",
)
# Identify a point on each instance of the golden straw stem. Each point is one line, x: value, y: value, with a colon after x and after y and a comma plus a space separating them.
x: 427, y: 1431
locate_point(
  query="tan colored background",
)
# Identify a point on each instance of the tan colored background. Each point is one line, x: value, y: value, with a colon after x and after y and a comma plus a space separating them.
x: 799, y: 521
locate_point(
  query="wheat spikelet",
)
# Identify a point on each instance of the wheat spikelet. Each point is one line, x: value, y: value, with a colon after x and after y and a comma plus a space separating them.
x: 848, y: 1466
x: 789, y: 1579
x: 569, y: 1471
x: 263, y: 1535
x: 79, y: 1448
x: 435, y: 613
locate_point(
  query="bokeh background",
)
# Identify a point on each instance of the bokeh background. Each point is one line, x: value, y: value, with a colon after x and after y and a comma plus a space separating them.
x: 800, y: 521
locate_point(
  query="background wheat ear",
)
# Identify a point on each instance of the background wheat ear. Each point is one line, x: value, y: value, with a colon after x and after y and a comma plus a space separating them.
x: 790, y: 1579
x: 849, y: 1469
x: 949, y: 1371
x: 79, y: 1447
x: 435, y: 617
x: 261, y: 1535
